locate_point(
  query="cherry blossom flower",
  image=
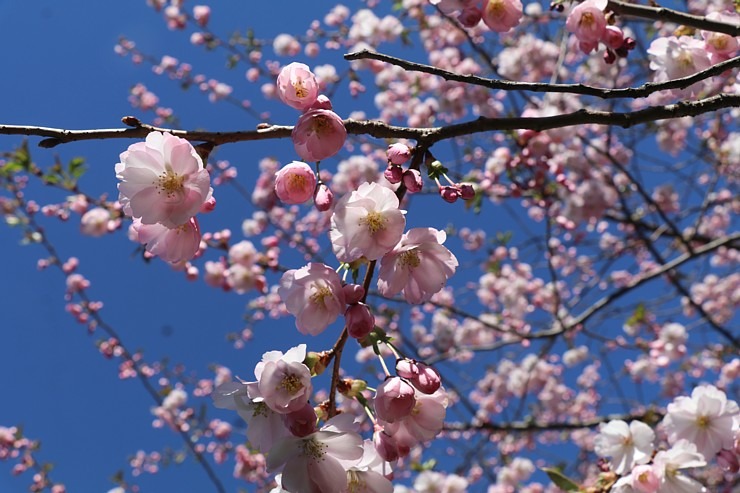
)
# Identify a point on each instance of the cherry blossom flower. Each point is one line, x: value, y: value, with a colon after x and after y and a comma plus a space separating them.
x: 171, y: 245
x: 423, y: 423
x: 366, y: 222
x: 627, y: 445
x: 394, y: 399
x: 706, y: 419
x: 673, y: 58
x: 312, y: 464
x: 162, y: 180
x: 418, y: 265
x: 283, y: 381
x: 96, y: 222
x: 314, y: 295
x: 295, y: 183
x: 668, y: 463
x: 368, y: 475
x: 318, y: 134
x: 297, y: 86
x: 501, y: 15
x: 588, y: 23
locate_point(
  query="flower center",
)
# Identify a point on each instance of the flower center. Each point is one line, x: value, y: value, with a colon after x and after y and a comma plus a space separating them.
x: 321, y: 292
x: 409, y: 259
x: 300, y: 89
x: 296, y: 182
x: 313, y: 448
x: 170, y: 182
x: 375, y: 222
x: 495, y: 7
x: 259, y: 409
x: 291, y: 383
x: 321, y: 125
x: 355, y: 484
x: 703, y: 422
x: 587, y: 20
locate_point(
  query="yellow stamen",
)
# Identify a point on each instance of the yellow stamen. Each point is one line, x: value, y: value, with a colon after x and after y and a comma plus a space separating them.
x: 375, y: 222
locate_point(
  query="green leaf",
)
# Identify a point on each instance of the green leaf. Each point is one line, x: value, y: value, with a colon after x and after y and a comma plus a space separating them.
x: 561, y: 481
x: 76, y: 167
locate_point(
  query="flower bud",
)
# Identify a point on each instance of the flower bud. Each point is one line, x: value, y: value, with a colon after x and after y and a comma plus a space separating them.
x: 412, y: 180
x: 360, y: 322
x: 323, y: 199
x: 449, y: 194
x: 394, y: 174
x: 302, y: 422
x: 295, y: 183
x: 467, y: 191
x: 322, y: 103
x: 613, y: 37
x: 470, y: 17
x: 398, y: 153
x: 394, y: 399
x: 422, y: 376
x: 208, y: 205
x: 728, y: 461
x: 353, y: 293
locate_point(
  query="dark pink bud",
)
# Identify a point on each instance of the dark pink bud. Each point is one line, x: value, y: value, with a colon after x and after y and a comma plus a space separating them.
x: 360, y: 322
x: 728, y: 461
x: 323, y: 199
x: 394, y: 399
x: 428, y: 381
x: 407, y: 368
x: 322, y: 103
x: 393, y: 173
x: 609, y: 57
x: 302, y: 423
x: 353, y: 293
x: 398, y: 153
x: 467, y: 191
x: 613, y: 37
x: 449, y: 194
x: 386, y: 446
x: 470, y: 17
x: 412, y: 180
x: 208, y: 206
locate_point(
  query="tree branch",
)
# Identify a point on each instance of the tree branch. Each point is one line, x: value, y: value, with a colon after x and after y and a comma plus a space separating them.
x: 531, y: 426
x: 664, y: 14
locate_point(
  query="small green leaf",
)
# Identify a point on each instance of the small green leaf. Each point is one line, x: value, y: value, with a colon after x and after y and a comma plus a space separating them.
x: 76, y: 167
x: 561, y: 481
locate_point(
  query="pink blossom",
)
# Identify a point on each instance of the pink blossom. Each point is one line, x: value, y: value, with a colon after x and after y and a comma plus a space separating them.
x: 312, y: 464
x: 418, y: 266
x: 368, y: 475
x: 673, y: 58
x: 394, y: 399
x: 425, y: 378
x: 171, y: 245
x: 398, y: 153
x: 423, y: 423
x: 721, y: 45
x: 201, y: 14
x: 162, y: 180
x: 295, y: 183
x: 501, y: 15
x: 627, y: 445
x: 313, y: 294
x: 359, y: 320
x: 95, y: 222
x: 706, y: 419
x: 319, y: 134
x: 323, y: 199
x: 588, y: 22
x: 366, y: 222
x: 668, y: 463
x: 297, y: 86
x: 283, y: 381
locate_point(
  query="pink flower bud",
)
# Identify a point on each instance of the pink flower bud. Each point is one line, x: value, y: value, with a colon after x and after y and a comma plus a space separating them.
x: 321, y: 103
x: 394, y: 399
x: 501, y: 15
x: 302, y: 422
x: 422, y: 376
x: 208, y: 206
x: 728, y: 461
x: 449, y: 194
x: 613, y: 37
x: 353, y: 293
x: 318, y: 134
x: 323, y: 199
x: 201, y: 14
x: 295, y: 183
x: 360, y: 322
x: 386, y: 446
x: 297, y: 86
x: 393, y: 173
x: 470, y: 17
x: 467, y: 191
x: 398, y: 153
x: 412, y: 180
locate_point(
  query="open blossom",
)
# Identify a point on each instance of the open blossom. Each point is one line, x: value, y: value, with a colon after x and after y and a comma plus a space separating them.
x: 96, y: 222
x: 588, y: 23
x: 627, y: 445
x: 366, y: 222
x: 313, y: 294
x: 318, y: 134
x: 169, y: 244
x: 295, y: 183
x: 297, y: 86
x: 418, y: 265
x: 368, y: 475
x: 668, y: 463
x: 706, y: 419
x: 314, y: 463
x: 501, y: 15
x: 283, y: 381
x: 423, y: 423
x: 162, y: 180
x: 673, y: 57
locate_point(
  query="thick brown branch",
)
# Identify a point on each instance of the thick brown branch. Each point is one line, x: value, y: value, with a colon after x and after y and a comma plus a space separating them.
x: 582, y: 89
x: 663, y: 14
x: 381, y: 130
x: 531, y: 426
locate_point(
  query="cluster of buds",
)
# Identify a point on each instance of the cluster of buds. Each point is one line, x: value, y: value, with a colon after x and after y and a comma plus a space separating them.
x: 453, y: 191
x: 398, y: 154
x: 358, y: 318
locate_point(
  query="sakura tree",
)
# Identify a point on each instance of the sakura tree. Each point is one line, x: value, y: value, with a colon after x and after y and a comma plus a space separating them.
x: 491, y: 246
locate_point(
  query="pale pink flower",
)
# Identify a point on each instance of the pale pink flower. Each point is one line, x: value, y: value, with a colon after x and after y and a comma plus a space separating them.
x: 95, y: 222
x: 394, y: 399
x: 588, y: 22
x: 627, y: 445
x: 283, y: 381
x: 313, y: 294
x: 297, y: 86
x: 162, y: 180
x: 706, y: 419
x: 501, y: 15
x: 295, y: 183
x: 319, y: 134
x: 668, y: 463
x: 644, y: 479
x: 418, y: 265
x: 201, y: 14
x: 171, y: 245
x: 720, y: 44
x: 673, y: 58
x: 423, y: 423
x: 368, y: 475
x: 312, y: 464
x: 366, y: 222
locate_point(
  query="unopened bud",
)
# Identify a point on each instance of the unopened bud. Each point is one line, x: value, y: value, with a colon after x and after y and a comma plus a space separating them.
x: 393, y: 173
x: 412, y: 180
x: 398, y: 153
x: 449, y: 194
x: 323, y: 199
